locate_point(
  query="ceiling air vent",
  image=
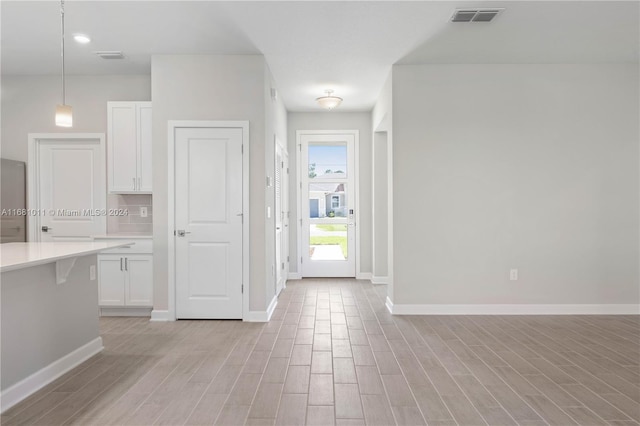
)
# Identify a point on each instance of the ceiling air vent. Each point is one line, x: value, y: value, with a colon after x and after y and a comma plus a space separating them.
x: 110, y: 54
x: 475, y: 15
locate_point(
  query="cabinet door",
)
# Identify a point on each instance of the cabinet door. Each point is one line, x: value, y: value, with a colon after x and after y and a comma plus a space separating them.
x: 139, y: 281
x: 122, y: 141
x: 111, y: 280
x: 144, y: 149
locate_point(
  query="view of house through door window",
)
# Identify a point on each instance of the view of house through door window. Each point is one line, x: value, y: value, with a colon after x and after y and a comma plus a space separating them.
x: 327, y: 183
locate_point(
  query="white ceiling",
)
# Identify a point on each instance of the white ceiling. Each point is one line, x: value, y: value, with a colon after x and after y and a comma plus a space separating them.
x: 314, y: 45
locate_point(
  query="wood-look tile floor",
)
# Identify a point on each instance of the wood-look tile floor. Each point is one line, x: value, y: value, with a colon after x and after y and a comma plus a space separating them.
x: 333, y: 355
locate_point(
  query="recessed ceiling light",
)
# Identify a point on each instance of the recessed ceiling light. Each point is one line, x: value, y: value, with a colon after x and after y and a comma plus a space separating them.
x: 82, y: 38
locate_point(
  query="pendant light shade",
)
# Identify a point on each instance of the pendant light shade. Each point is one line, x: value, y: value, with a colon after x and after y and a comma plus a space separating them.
x: 329, y: 101
x: 64, y: 113
x: 64, y: 116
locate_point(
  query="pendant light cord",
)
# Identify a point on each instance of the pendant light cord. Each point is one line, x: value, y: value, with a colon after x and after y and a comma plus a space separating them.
x: 62, y: 40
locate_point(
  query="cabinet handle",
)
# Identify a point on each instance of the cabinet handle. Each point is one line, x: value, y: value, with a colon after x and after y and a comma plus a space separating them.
x: 126, y: 265
x: 121, y: 264
x: 139, y: 186
x: 134, y: 184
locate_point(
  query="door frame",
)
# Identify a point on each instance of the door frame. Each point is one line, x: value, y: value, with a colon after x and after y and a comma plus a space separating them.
x: 284, y: 183
x: 33, y: 173
x: 356, y: 154
x: 173, y: 125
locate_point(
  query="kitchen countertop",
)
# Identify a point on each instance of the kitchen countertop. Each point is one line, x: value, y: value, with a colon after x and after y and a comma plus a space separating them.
x: 124, y: 236
x: 15, y: 256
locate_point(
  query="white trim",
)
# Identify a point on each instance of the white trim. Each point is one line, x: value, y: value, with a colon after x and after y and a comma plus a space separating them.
x: 25, y: 387
x: 356, y: 159
x: 514, y: 309
x: 246, y: 281
x: 111, y: 311
x: 295, y: 276
x: 158, y: 315
x: 263, y: 316
x: 389, y: 304
x: 33, y: 170
x: 379, y: 280
x: 363, y: 275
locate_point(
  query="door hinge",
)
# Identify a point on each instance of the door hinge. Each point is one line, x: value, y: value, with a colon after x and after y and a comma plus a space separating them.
x: 287, y: 170
x: 301, y: 260
x: 242, y: 149
x: 300, y: 147
x: 300, y: 185
x: 282, y: 164
x: 282, y: 265
x: 287, y: 259
x: 242, y: 288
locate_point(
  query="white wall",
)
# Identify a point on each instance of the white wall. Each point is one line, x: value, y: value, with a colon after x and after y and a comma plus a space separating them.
x: 334, y: 121
x: 28, y: 106
x: 532, y: 167
x: 382, y: 128
x: 210, y: 87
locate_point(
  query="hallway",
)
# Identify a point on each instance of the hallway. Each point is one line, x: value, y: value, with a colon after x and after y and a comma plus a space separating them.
x: 333, y: 355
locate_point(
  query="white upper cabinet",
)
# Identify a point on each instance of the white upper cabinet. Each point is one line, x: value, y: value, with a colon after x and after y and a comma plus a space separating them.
x: 129, y: 145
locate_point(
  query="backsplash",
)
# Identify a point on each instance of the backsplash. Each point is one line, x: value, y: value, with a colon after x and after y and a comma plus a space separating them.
x: 132, y: 223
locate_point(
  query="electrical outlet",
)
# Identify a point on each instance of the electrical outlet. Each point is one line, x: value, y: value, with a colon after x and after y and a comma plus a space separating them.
x: 92, y: 273
x: 513, y: 275
x: 143, y: 211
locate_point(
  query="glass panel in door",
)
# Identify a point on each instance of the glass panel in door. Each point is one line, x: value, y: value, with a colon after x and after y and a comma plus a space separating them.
x: 328, y: 232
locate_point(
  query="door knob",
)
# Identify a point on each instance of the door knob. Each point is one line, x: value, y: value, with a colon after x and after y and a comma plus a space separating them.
x: 182, y: 232
x: 46, y: 229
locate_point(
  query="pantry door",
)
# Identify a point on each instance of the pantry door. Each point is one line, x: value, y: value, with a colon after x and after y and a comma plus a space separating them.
x: 67, y: 188
x: 209, y: 223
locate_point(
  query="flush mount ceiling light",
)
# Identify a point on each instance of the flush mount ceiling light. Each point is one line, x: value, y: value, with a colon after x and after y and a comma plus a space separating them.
x: 329, y: 101
x: 64, y: 113
x: 82, y: 38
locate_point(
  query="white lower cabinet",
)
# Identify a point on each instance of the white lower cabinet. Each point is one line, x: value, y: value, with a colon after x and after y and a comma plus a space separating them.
x: 126, y: 280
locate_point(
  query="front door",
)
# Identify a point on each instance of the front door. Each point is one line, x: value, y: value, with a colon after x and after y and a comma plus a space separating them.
x: 71, y: 189
x: 327, y: 178
x: 208, y: 223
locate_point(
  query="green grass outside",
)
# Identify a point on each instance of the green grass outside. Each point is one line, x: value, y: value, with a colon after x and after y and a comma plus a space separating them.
x: 330, y: 241
x: 328, y: 227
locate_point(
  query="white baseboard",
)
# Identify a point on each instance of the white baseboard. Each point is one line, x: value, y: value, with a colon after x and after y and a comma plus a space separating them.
x: 514, y: 309
x: 157, y: 315
x: 262, y: 316
x: 295, y: 276
x: 16, y: 393
x: 379, y: 280
x: 363, y: 276
x: 389, y: 304
x: 272, y: 307
x: 124, y: 312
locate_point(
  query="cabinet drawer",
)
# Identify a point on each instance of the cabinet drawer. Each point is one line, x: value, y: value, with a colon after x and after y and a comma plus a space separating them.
x: 138, y: 246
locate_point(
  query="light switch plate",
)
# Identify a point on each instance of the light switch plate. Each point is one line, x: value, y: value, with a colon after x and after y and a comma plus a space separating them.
x: 143, y: 211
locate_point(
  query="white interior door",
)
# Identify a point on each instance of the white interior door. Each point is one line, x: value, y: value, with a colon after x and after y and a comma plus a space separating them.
x: 281, y: 216
x: 71, y: 189
x: 327, y: 178
x: 208, y: 220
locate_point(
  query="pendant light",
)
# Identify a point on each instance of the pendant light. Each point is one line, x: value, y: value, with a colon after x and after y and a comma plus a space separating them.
x: 329, y: 102
x: 64, y: 112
